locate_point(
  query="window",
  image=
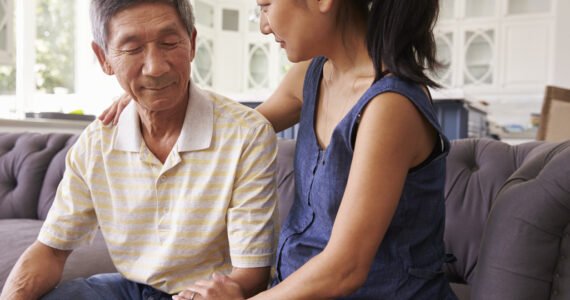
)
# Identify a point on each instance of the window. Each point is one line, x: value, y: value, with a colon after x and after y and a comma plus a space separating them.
x: 55, y: 46
x: 7, y: 69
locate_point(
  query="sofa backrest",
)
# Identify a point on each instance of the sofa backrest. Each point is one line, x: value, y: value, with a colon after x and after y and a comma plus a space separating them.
x: 525, y: 250
x: 476, y: 171
x: 24, y: 160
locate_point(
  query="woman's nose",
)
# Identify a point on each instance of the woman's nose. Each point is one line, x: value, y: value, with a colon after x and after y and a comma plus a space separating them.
x: 264, y: 23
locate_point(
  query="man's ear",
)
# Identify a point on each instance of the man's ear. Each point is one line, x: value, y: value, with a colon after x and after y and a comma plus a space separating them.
x: 193, y: 44
x: 102, y: 58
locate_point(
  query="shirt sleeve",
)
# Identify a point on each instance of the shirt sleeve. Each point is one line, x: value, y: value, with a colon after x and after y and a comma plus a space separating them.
x: 71, y: 221
x: 252, y: 215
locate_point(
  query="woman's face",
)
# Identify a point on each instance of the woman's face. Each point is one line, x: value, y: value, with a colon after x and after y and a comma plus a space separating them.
x: 296, y: 24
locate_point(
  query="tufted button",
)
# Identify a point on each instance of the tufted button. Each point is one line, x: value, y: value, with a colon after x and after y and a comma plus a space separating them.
x: 555, y: 293
x: 563, y: 257
x: 557, y: 275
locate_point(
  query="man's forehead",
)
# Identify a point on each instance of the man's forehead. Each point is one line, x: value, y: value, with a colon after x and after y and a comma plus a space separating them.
x: 144, y: 19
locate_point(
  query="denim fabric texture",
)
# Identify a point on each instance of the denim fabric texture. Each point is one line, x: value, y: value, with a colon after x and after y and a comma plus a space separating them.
x: 408, y: 263
x: 110, y: 286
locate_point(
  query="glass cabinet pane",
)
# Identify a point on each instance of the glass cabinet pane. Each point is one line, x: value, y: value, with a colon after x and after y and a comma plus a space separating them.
x: 517, y: 7
x: 479, y: 47
x: 230, y: 19
x: 204, y: 13
x: 447, y: 9
x: 480, y: 8
x: 203, y: 63
x: 444, y: 56
x: 258, y: 66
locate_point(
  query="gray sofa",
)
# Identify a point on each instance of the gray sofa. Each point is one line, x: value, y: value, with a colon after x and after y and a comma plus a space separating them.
x: 507, y: 224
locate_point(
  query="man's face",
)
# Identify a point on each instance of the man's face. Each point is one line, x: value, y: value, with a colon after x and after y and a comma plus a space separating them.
x: 150, y: 52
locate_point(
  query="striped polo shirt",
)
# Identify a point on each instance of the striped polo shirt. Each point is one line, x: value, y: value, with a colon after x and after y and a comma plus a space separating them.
x: 210, y: 206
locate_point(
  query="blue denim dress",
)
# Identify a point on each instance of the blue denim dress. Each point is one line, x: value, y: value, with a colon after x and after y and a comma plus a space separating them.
x: 408, y: 263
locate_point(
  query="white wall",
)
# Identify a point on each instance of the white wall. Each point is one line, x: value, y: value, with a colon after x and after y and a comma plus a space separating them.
x: 562, y: 41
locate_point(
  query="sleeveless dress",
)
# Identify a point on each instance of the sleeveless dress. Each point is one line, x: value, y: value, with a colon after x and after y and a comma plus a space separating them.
x: 408, y: 263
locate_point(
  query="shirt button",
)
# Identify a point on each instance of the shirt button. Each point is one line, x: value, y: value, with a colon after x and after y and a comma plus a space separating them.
x: 162, y: 178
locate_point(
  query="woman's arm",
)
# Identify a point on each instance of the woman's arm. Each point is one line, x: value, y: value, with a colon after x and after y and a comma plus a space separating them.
x: 283, y: 108
x: 112, y: 113
x: 392, y: 137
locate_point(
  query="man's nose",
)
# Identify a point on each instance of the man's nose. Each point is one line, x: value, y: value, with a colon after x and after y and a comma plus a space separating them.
x: 155, y: 63
x: 264, y: 23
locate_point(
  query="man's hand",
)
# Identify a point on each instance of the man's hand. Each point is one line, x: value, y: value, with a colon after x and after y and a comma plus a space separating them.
x: 220, y: 287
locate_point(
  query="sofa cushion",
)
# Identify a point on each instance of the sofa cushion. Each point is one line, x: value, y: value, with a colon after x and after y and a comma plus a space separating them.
x: 285, y: 177
x: 24, y: 159
x: 53, y: 176
x: 526, y: 242
x: 19, y: 234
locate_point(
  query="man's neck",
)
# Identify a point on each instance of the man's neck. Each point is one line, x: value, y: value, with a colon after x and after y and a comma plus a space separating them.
x: 160, y: 130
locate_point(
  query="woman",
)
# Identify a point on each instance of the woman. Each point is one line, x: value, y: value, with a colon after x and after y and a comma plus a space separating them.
x: 368, y: 216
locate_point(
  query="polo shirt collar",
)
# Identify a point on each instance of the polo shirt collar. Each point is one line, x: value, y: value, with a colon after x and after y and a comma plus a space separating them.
x: 197, y: 129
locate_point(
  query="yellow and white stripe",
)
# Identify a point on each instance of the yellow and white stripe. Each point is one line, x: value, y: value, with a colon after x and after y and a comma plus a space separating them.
x: 210, y: 206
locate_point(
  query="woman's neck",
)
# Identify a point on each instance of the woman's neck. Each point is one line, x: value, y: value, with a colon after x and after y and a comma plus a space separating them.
x: 348, y: 55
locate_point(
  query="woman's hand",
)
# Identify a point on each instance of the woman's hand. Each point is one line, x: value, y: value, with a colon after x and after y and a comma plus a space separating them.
x: 220, y: 287
x: 113, y: 112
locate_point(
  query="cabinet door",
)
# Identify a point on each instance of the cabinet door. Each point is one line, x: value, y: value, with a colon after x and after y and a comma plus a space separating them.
x: 258, y: 66
x: 445, y: 46
x: 204, y: 13
x: 525, y: 7
x: 479, y: 56
x: 203, y: 65
x: 481, y: 8
x: 527, y: 50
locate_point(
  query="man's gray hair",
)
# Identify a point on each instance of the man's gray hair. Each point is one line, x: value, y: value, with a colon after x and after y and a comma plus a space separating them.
x: 103, y: 10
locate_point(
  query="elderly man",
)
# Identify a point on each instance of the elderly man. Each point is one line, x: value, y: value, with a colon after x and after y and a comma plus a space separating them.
x: 182, y: 188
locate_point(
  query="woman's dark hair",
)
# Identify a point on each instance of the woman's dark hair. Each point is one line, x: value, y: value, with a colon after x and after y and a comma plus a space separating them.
x: 400, y: 34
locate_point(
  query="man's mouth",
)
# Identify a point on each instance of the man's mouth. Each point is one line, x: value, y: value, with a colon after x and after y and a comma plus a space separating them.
x: 158, y: 88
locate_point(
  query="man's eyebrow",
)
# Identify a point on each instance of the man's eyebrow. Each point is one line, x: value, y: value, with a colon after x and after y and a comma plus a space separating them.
x: 170, y: 29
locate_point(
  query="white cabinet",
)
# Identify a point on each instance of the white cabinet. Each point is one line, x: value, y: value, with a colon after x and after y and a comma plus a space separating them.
x: 500, y: 51
x: 492, y: 45
x: 232, y: 56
